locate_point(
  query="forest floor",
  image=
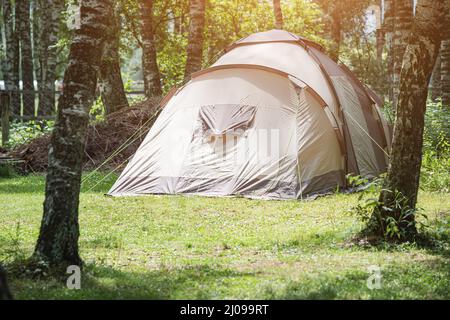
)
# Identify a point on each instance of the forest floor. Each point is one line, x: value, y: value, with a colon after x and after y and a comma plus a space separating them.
x: 174, y: 247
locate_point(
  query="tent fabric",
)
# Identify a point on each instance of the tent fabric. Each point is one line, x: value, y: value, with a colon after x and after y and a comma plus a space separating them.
x: 273, y: 118
x: 220, y: 119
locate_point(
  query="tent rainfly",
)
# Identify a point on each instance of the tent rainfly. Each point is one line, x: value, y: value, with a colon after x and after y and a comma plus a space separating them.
x: 273, y: 118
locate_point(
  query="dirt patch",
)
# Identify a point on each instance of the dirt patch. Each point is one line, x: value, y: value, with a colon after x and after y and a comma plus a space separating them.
x: 104, y: 139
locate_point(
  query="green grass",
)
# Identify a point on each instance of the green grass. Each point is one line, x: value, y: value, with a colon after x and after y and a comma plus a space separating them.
x: 174, y: 247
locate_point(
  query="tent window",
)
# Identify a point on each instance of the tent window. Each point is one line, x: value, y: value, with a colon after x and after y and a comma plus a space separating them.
x: 219, y: 120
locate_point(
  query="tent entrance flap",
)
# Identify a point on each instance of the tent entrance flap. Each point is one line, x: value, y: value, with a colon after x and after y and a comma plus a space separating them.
x: 223, y: 119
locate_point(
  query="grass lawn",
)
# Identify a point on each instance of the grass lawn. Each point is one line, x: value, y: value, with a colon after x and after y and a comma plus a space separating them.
x: 174, y: 247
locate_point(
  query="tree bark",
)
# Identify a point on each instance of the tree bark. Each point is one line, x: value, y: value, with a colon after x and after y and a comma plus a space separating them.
x: 388, y: 28
x: 278, y: 13
x: 406, y: 153
x: 26, y: 56
x: 51, y: 19
x: 403, y: 16
x: 445, y: 71
x: 111, y: 83
x: 12, y: 59
x: 435, y: 84
x: 5, y: 293
x: 152, y: 76
x: 195, y: 42
x: 58, y: 238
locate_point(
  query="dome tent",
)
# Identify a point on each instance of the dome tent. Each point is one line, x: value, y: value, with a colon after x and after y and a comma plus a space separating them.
x: 273, y: 118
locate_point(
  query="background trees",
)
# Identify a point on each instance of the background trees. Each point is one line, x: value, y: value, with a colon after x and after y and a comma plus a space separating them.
x: 160, y: 43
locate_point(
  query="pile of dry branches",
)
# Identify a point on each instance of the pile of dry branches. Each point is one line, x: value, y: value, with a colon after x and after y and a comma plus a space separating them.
x: 104, y: 139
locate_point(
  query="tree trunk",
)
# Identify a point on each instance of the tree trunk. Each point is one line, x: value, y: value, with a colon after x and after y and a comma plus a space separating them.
x: 111, y: 83
x: 195, y: 42
x: 435, y: 83
x: 380, y: 44
x: 278, y: 13
x: 333, y: 29
x: 12, y: 59
x: 388, y: 27
x: 406, y: 153
x: 5, y: 293
x: 58, y: 238
x: 152, y: 77
x: 37, y: 14
x: 403, y: 16
x: 26, y: 56
x: 445, y: 71
x: 51, y: 19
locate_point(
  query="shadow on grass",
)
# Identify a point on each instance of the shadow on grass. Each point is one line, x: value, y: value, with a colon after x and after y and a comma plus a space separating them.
x: 103, y: 282
x: 428, y: 280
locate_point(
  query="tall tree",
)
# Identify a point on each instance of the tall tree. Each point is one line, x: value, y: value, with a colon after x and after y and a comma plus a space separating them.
x: 436, y: 88
x: 388, y: 30
x: 26, y: 56
x: 278, y: 13
x: 111, y: 83
x: 195, y: 42
x: 152, y: 76
x: 403, y: 16
x: 12, y: 59
x: 50, y: 12
x: 399, y: 193
x: 58, y: 238
x: 445, y: 71
x: 36, y: 27
x: 332, y: 26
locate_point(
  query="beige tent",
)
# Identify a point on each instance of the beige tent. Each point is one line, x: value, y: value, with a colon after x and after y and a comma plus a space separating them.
x: 273, y: 118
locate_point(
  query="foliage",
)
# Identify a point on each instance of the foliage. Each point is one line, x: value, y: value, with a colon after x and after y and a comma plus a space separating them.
x: 25, y: 131
x: 435, y: 173
x: 437, y: 129
x: 368, y: 210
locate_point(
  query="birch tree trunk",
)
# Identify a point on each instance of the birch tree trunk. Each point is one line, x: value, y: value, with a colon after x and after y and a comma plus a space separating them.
x: 12, y: 58
x: 152, y: 76
x: 403, y: 16
x: 445, y: 71
x: 51, y: 19
x: 278, y: 13
x: 36, y: 25
x: 195, y: 42
x: 406, y: 153
x: 58, y: 238
x: 26, y: 56
x: 111, y: 83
